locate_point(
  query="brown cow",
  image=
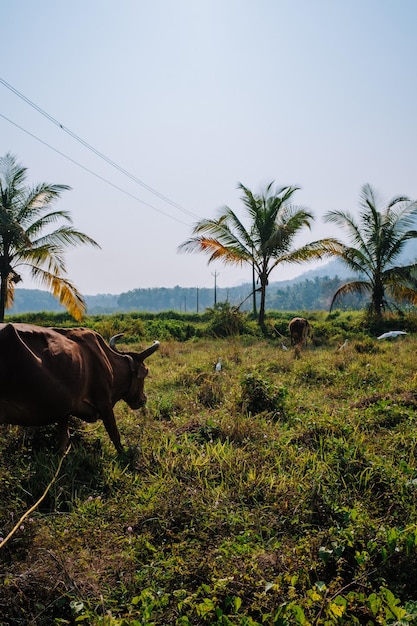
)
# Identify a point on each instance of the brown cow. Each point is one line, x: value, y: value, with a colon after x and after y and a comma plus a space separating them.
x: 49, y: 374
x: 300, y: 331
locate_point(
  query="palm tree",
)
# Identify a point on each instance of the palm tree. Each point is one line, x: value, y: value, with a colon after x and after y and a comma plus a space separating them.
x: 268, y: 241
x: 377, y: 238
x: 25, y: 215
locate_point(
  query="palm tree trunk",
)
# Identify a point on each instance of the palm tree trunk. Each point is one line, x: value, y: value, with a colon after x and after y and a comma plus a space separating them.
x: 378, y: 298
x: 3, y: 294
x: 253, y: 292
x: 261, y: 318
x: 4, y: 273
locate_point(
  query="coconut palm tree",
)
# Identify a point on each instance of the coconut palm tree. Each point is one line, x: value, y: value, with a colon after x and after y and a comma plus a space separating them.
x: 378, y: 236
x: 26, y: 242
x: 273, y: 223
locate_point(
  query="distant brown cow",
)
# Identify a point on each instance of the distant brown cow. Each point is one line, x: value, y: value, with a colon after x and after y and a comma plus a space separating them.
x: 300, y: 331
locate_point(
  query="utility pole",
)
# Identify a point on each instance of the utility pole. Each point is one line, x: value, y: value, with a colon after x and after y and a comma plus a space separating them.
x: 215, y: 286
x: 197, y: 299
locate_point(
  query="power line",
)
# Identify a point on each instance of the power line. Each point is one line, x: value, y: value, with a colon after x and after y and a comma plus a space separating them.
x: 91, y: 171
x: 95, y: 151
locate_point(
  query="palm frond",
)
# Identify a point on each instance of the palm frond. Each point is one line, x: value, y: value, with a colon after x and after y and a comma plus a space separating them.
x: 68, y: 236
x: 361, y: 287
x: 63, y: 290
x: 10, y: 292
x: 346, y: 221
x: 226, y: 230
x: 12, y: 174
x: 25, y: 216
x: 314, y: 250
x: 357, y: 260
x: 35, y: 223
x: 229, y: 254
x: 402, y: 292
x: 401, y: 274
x: 235, y: 229
x: 42, y: 257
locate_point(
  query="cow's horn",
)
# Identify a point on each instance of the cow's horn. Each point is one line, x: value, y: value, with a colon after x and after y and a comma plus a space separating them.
x: 144, y: 355
x: 112, y: 342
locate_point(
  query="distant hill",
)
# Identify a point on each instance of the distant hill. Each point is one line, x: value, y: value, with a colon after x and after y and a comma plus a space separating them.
x: 36, y: 300
x: 331, y: 269
x: 182, y: 298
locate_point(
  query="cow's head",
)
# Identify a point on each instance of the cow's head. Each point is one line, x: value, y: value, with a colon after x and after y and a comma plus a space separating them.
x: 135, y: 396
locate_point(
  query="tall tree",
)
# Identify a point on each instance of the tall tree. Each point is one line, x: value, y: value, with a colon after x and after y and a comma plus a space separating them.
x: 26, y: 240
x: 267, y: 241
x: 378, y: 237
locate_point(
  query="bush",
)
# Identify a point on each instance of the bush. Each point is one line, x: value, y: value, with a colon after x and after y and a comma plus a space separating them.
x: 227, y: 321
x: 259, y: 395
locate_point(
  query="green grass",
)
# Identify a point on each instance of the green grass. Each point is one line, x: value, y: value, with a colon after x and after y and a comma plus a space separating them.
x: 281, y: 490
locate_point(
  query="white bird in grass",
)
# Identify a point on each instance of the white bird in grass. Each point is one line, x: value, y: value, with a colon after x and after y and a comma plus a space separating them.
x: 343, y: 346
x: 392, y: 333
x: 218, y: 365
x: 283, y: 346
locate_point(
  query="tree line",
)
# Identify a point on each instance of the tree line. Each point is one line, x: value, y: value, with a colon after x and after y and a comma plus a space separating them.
x: 309, y: 295
x: 297, y: 295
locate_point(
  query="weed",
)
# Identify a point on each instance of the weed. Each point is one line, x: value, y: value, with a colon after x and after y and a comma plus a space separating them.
x: 259, y: 394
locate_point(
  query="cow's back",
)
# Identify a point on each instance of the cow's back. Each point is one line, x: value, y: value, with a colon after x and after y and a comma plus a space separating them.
x: 97, y: 356
x: 22, y: 344
x: 37, y: 366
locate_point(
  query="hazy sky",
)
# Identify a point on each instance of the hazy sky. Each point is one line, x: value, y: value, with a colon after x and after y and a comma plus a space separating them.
x: 191, y: 97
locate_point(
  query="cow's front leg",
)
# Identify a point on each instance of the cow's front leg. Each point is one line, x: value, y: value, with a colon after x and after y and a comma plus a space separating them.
x: 110, y: 425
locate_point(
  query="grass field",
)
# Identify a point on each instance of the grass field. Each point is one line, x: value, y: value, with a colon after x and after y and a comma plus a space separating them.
x: 281, y: 490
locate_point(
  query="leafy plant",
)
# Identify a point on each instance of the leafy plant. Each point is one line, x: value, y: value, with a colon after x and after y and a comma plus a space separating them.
x: 259, y: 394
x: 227, y: 321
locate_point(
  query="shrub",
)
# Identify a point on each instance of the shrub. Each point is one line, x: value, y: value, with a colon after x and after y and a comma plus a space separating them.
x: 259, y: 395
x: 227, y: 321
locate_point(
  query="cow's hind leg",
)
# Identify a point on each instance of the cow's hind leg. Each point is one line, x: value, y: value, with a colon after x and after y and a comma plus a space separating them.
x: 63, y: 435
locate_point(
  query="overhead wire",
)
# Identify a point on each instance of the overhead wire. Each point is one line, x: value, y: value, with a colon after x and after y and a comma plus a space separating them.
x: 96, y: 152
x: 204, y: 285
x: 127, y: 193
